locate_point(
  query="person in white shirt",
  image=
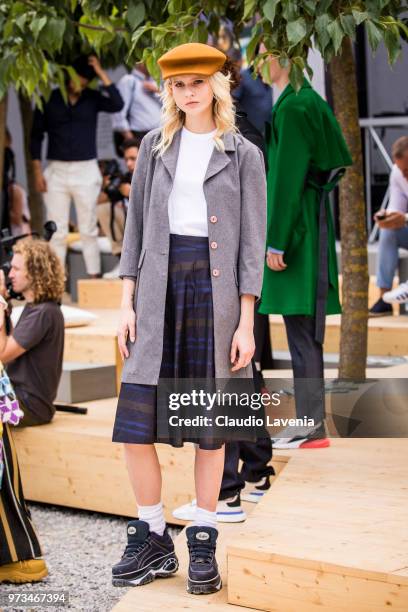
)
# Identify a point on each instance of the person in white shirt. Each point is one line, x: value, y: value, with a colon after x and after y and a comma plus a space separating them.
x: 393, y: 232
x: 142, y: 107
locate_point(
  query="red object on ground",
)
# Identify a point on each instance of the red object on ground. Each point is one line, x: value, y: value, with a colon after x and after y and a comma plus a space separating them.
x: 318, y: 443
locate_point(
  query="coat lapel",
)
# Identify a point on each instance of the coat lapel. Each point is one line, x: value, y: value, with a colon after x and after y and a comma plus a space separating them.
x: 219, y: 159
x: 170, y: 156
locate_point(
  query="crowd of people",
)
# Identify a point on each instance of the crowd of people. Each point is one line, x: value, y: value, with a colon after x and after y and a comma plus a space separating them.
x: 217, y: 222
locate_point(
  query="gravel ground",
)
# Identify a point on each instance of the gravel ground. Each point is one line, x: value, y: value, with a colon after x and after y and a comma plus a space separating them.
x: 79, y: 548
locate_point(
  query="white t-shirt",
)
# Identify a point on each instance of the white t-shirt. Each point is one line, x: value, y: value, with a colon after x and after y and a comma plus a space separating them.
x: 187, y: 206
x: 398, y: 191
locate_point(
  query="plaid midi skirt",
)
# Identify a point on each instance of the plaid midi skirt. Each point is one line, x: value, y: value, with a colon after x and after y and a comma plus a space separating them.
x: 188, y: 343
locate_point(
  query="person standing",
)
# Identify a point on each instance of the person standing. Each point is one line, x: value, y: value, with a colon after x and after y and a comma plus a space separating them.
x: 192, y: 264
x: 141, y: 108
x: 72, y: 172
x: 300, y: 278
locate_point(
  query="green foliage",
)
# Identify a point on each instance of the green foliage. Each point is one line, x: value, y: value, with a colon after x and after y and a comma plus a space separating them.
x: 39, y: 39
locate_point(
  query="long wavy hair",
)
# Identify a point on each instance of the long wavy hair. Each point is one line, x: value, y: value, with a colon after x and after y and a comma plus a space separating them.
x: 223, y: 110
x: 44, y: 269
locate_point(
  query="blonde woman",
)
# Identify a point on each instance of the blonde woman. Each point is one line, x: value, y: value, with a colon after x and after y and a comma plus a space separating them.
x: 192, y: 265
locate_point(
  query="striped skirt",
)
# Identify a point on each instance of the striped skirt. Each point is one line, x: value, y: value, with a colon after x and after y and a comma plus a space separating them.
x: 18, y: 540
x: 188, y: 344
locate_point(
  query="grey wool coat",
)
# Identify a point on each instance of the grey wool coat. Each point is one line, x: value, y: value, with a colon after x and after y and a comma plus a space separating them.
x: 235, y: 191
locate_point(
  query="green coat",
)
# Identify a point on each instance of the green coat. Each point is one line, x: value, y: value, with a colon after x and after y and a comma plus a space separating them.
x: 305, y: 136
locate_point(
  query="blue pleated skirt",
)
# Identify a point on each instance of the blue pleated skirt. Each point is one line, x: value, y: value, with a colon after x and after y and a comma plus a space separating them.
x: 188, y: 343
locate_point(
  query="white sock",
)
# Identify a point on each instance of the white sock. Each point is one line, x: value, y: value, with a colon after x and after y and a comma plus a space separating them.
x: 205, y: 518
x: 154, y: 516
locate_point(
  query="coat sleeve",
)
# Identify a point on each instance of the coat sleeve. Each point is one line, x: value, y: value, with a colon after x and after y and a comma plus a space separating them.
x: 253, y: 222
x: 287, y: 174
x: 132, y: 241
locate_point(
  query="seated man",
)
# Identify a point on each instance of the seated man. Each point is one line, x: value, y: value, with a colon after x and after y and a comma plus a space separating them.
x: 393, y: 229
x: 113, y: 202
x: 33, y: 351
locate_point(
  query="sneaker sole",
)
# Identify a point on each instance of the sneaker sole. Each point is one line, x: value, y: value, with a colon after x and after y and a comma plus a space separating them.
x: 198, y: 588
x: 169, y: 568
x: 318, y: 443
x: 374, y: 315
x: 21, y: 577
x: 252, y: 498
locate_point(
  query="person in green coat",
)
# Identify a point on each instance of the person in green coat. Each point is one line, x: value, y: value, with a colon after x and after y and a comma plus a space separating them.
x: 300, y: 279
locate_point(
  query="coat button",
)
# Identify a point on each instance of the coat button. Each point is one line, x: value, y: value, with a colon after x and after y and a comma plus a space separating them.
x: 214, y: 245
x: 213, y: 219
x: 216, y: 272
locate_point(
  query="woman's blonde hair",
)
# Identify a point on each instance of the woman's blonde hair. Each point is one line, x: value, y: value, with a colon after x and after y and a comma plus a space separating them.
x: 44, y: 269
x: 223, y: 111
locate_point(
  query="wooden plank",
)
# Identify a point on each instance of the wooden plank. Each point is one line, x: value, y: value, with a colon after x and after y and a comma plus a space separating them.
x: 99, y: 293
x: 342, y: 544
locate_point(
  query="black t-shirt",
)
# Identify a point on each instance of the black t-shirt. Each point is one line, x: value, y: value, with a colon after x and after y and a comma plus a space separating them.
x: 36, y: 374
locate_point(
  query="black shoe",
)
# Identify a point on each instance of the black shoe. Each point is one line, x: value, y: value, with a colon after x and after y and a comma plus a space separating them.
x: 380, y: 309
x: 203, y: 574
x: 146, y: 557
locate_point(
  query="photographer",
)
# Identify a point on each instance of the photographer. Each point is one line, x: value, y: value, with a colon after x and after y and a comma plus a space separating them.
x: 33, y: 351
x: 113, y: 199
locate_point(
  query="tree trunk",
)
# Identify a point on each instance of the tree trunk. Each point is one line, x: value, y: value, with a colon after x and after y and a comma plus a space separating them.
x: 3, y: 120
x: 35, y: 200
x: 353, y: 340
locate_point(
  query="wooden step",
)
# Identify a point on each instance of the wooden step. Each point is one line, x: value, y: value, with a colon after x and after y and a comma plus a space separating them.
x: 82, y: 382
x: 99, y: 293
x: 331, y: 536
x: 386, y: 335
x: 73, y: 462
x: 95, y: 343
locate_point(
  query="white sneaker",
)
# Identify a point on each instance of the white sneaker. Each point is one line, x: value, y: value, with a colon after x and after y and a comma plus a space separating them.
x: 114, y: 273
x: 228, y: 511
x: 398, y: 295
x: 254, y: 491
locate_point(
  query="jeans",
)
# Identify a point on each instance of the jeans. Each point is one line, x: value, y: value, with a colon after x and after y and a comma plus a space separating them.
x: 390, y: 241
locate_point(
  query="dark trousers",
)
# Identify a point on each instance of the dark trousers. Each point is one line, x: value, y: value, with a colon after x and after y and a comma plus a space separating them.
x: 18, y: 540
x: 307, y: 365
x: 254, y: 455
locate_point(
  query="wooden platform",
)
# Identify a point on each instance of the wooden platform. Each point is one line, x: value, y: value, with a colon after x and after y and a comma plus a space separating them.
x: 99, y: 293
x: 331, y: 535
x: 73, y: 462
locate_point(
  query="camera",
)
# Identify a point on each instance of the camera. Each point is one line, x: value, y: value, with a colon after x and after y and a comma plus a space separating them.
x: 111, y: 169
x: 7, y: 241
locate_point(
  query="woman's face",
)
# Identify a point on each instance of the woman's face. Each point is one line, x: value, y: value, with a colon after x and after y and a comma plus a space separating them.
x: 192, y: 93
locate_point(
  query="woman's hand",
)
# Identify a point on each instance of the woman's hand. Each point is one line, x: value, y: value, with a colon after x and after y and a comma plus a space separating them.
x: 242, y: 348
x: 127, y: 329
x: 275, y: 262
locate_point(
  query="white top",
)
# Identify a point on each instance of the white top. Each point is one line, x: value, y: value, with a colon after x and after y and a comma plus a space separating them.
x: 187, y: 206
x: 398, y: 191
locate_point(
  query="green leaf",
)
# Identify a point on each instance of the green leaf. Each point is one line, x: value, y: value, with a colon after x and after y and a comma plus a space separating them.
x: 52, y: 34
x: 349, y: 25
x: 322, y: 6
x: 37, y: 25
x: 296, y: 76
x: 135, y: 14
x: 269, y: 9
x: 249, y: 9
x: 374, y: 34
x: 336, y: 34
x: 359, y: 16
x: 296, y: 31
x: 310, y: 6
x: 393, y: 43
x: 251, y: 48
x: 323, y: 36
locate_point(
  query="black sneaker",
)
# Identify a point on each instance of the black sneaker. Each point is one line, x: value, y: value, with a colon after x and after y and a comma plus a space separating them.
x: 146, y: 557
x: 380, y: 309
x: 203, y: 574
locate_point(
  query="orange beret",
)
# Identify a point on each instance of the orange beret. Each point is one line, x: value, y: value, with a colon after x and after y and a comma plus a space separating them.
x: 191, y: 58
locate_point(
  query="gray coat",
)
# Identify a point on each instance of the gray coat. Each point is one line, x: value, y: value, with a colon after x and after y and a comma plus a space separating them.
x: 235, y: 191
